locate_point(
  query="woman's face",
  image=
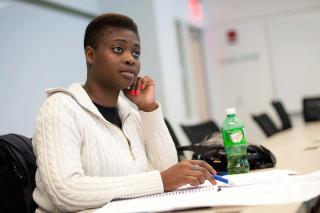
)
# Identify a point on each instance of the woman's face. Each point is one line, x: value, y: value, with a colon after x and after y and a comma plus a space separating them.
x: 115, y: 63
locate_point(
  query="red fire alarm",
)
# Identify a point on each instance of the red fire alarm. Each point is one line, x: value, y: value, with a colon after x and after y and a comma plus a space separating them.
x: 232, y: 36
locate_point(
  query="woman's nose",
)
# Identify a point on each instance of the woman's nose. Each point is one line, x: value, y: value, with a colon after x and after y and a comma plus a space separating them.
x: 129, y: 59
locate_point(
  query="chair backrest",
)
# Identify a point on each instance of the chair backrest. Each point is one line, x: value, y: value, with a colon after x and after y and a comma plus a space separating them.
x: 17, y: 174
x: 283, y: 115
x: 198, y: 132
x: 175, y: 139
x: 311, y: 109
x: 266, y: 124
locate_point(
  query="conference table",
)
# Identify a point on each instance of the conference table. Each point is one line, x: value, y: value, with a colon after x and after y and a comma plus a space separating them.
x: 295, y: 149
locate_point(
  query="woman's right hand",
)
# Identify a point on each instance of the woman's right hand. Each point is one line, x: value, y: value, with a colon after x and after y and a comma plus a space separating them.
x: 193, y: 172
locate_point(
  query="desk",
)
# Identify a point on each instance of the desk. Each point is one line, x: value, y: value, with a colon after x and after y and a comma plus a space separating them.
x: 296, y: 149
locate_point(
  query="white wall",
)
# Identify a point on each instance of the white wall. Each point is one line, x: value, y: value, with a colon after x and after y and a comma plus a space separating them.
x: 222, y: 12
x: 240, y: 73
x: 88, y: 6
x: 40, y: 48
x: 275, y: 56
x: 295, y: 44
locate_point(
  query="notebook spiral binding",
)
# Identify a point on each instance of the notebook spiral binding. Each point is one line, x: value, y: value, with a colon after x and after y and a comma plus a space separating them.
x: 165, y: 194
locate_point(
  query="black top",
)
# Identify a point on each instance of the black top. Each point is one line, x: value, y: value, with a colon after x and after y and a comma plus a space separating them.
x: 110, y: 114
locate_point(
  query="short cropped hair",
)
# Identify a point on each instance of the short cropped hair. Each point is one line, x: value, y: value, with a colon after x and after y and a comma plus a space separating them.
x: 98, y: 26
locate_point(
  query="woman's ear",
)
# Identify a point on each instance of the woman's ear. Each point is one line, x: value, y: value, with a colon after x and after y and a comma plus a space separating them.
x: 90, y: 55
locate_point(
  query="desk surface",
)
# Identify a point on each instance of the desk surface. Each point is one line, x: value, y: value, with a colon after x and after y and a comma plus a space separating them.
x: 296, y: 149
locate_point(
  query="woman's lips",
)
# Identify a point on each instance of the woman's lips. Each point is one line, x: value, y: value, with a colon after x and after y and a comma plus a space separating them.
x: 127, y: 74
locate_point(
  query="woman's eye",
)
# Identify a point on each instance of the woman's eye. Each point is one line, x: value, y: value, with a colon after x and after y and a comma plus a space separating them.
x: 117, y: 50
x: 136, y: 54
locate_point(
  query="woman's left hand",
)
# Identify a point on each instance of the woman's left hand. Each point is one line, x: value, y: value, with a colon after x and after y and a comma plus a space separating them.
x: 142, y: 93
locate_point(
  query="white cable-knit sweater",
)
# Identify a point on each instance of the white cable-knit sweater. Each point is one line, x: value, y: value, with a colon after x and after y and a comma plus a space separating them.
x: 84, y: 161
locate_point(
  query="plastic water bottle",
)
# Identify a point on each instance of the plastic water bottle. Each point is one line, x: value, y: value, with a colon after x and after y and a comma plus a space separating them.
x: 235, y: 143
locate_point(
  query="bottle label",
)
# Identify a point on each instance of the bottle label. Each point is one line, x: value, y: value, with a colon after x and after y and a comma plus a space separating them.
x: 234, y: 137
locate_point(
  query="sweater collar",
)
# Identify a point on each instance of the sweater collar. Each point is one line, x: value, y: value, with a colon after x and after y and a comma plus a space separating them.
x: 77, y: 92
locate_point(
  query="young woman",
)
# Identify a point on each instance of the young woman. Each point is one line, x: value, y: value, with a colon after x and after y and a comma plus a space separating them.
x: 91, y: 145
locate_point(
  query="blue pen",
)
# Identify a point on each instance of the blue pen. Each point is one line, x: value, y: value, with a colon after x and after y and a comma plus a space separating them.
x: 221, y: 179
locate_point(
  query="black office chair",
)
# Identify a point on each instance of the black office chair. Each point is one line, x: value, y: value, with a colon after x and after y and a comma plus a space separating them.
x: 266, y: 124
x: 311, y: 109
x: 181, y: 155
x: 17, y: 174
x: 198, y: 132
x: 283, y: 115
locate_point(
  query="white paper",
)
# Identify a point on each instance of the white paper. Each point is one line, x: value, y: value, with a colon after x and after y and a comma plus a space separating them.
x: 256, y: 177
x: 257, y: 188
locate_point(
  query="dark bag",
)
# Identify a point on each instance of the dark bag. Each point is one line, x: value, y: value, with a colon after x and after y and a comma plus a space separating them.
x: 212, y: 151
x: 17, y: 174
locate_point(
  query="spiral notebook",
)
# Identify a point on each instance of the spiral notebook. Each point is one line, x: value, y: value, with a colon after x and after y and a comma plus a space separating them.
x: 183, y: 198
